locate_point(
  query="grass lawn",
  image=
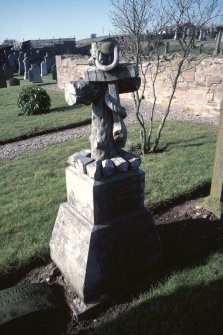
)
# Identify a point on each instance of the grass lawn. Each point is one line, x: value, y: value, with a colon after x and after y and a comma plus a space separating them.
x: 187, y: 301
x: 13, y: 126
x: 33, y: 186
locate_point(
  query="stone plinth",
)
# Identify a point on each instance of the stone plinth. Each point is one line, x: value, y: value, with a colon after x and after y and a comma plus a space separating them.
x: 102, y: 200
x: 103, y: 235
x: 214, y: 202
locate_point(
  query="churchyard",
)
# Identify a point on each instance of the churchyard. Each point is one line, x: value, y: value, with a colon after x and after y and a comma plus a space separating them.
x: 13, y: 127
x: 183, y: 295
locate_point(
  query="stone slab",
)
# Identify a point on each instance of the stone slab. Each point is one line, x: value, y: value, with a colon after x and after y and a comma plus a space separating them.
x: 23, y: 307
x: 96, y: 259
x: 123, y: 71
x: 120, y: 163
x: 105, y: 199
x: 214, y: 203
x: 94, y: 170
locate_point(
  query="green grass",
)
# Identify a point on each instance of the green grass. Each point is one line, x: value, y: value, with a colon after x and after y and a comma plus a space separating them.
x: 187, y: 303
x: 61, y: 115
x: 33, y: 186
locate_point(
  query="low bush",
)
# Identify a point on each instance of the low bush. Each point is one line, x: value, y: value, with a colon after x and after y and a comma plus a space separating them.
x: 33, y: 100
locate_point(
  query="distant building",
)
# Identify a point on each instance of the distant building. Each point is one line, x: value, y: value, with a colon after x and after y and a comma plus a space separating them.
x: 83, y: 47
x: 54, y: 47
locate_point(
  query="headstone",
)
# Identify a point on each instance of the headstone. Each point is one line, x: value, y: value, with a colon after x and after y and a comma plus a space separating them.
x: 36, y: 74
x: 54, y: 72
x: 218, y: 43
x: 49, y: 62
x: 103, y: 235
x: 176, y: 34
x: 26, y: 66
x: 43, y: 69
x: 27, y: 309
x: 30, y: 74
x: 214, y: 202
x: 21, y: 64
x: 16, y: 61
x: 3, y: 83
x: 14, y: 82
x: 7, y: 71
x: 11, y: 62
x: 167, y: 46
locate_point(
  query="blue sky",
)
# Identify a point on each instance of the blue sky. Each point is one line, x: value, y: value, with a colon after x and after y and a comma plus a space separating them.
x: 29, y: 19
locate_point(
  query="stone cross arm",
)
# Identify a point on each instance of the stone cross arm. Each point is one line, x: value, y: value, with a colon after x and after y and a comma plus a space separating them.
x: 96, y: 83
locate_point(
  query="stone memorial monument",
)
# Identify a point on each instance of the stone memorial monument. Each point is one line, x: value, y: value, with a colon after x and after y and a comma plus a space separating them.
x: 214, y: 202
x: 103, y: 235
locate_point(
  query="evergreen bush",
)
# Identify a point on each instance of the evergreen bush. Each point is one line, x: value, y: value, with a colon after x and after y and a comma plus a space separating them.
x: 33, y: 100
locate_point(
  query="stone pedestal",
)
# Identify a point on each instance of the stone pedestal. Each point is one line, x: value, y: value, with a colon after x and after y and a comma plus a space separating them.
x: 103, y: 235
x: 214, y: 202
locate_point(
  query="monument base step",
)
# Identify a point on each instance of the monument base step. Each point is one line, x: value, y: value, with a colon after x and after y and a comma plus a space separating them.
x: 97, y: 258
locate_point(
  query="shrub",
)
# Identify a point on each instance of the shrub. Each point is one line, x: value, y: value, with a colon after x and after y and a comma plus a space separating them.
x: 33, y: 100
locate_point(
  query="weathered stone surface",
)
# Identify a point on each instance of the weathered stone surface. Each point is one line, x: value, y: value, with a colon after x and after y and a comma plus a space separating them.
x: 44, y: 71
x: 82, y: 162
x: 121, y: 72
x: 23, y: 307
x: 7, y: 71
x: 107, y: 198
x: 36, y: 74
x: 95, y: 259
x: 94, y: 170
x: 134, y: 161
x: 214, y: 203
x: 83, y: 153
x: 198, y: 87
x: 120, y: 163
x: 108, y: 167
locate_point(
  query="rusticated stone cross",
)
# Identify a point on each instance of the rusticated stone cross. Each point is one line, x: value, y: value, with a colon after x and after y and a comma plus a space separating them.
x: 101, y: 87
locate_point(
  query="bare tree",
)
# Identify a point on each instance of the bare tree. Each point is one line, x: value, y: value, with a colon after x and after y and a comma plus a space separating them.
x: 141, y: 24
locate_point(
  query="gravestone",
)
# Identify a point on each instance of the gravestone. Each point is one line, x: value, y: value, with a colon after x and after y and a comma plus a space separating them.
x: 54, y: 72
x: 43, y: 69
x: 16, y: 61
x: 218, y: 43
x: 14, y: 82
x: 3, y: 82
x: 36, y: 77
x: 21, y: 64
x: 49, y: 62
x: 103, y: 235
x: 11, y: 63
x: 30, y: 74
x: 7, y: 71
x: 214, y: 202
x: 27, y: 309
x: 167, y: 48
x: 26, y: 63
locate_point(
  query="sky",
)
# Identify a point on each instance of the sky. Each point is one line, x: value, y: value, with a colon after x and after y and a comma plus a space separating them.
x: 34, y: 19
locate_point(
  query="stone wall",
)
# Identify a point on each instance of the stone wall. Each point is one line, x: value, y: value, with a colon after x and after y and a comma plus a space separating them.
x: 199, y: 89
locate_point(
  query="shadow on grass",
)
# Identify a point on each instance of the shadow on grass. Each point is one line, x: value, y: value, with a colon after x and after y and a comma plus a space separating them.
x: 185, y: 310
x: 65, y: 108
x: 198, y: 141
x: 189, y: 310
